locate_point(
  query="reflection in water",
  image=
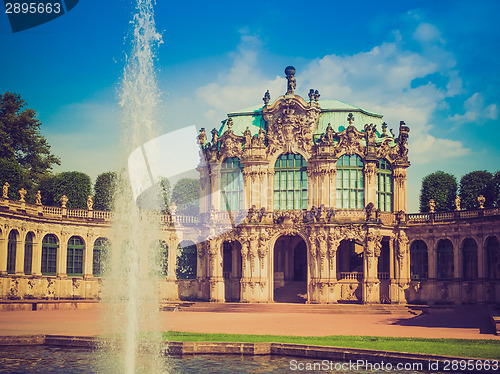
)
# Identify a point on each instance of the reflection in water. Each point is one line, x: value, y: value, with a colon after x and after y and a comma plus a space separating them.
x: 42, y: 359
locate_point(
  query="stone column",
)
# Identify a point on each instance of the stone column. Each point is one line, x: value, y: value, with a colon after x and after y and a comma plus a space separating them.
x: 403, y: 276
x: 216, y: 279
x: 370, y: 173
x: 20, y: 252
x: 332, y: 186
x: 3, y: 252
x: 270, y: 189
x: 216, y: 186
x: 36, y: 265
x: 399, y: 175
x: 62, y: 255
x: 333, y: 244
x: 88, y: 257
x: 481, y: 256
x: 245, y: 271
x: 206, y: 189
x: 371, y: 283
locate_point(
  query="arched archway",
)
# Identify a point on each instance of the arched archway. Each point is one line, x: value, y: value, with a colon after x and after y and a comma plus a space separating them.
x: 290, y: 270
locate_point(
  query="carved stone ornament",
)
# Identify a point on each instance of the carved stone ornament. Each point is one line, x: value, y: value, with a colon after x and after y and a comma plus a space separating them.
x: 291, y: 122
x: 350, y: 142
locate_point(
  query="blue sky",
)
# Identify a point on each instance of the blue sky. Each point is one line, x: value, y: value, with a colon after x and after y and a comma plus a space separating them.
x: 433, y: 64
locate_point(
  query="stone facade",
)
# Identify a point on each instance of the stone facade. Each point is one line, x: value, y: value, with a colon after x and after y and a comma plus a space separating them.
x: 294, y: 193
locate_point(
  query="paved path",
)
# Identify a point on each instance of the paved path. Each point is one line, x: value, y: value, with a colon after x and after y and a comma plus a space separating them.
x: 466, y: 322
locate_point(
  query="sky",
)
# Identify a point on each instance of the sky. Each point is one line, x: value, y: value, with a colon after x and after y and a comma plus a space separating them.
x: 433, y: 64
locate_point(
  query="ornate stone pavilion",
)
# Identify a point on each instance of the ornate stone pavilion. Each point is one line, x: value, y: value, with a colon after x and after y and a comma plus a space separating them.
x: 302, y: 200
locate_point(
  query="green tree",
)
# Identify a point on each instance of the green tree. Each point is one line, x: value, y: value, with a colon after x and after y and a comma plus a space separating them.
x: 21, y: 140
x: 186, y: 195
x: 474, y: 184
x: 496, y: 189
x: 75, y: 185
x: 440, y: 186
x: 46, y: 188
x: 12, y: 173
x: 104, y: 191
x: 166, y: 192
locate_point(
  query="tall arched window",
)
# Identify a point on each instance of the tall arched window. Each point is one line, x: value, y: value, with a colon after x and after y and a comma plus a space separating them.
x: 384, y: 186
x: 419, y: 265
x: 290, y: 182
x: 469, y: 259
x: 231, y: 179
x: 492, y: 258
x: 100, y: 254
x: 49, y: 254
x: 350, y: 183
x: 74, y: 264
x: 28, y: 253
x: 186, y: 260
x: 445, y: 262
x: 11, y: 252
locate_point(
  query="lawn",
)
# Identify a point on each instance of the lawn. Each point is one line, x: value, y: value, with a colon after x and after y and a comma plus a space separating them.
x: 451, y: 347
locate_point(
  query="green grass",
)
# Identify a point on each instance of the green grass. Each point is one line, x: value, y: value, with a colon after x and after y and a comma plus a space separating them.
x: 451, y: 347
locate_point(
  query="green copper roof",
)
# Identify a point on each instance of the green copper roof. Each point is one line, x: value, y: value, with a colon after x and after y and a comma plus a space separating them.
x: 334, y: 112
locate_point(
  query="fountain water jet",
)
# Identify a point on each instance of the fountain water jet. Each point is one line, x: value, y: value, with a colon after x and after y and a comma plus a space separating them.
x: 130, y: 295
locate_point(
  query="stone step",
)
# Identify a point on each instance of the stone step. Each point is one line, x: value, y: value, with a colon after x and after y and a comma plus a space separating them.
x: 285, y: 308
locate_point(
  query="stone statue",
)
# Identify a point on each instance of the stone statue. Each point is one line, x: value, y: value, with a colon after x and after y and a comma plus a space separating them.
x: 202, y: 137
x: 6, y: 190
x: 173, y: 208
x: 63, y: 200
x: 267, y: 98
x: 432, y: 206
x: 22, y: 193
x: 38, y: 198
x: 229, y: 124
x: 481, y: 200
x: 457, y: 202
x: 215, y: 136
x: 248, y: 137
x: 290, y: 76
x: 371, y: 214
x: 90, y: 202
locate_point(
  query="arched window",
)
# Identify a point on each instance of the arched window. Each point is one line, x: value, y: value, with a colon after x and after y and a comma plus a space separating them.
x: 11, y: 252
x: 231, y: 179
x: 28, y: 253
x: 290, y: 182
x: 75, y: 256
x: 100, y: 256
x: 49, y: 255
x: 445, y: 262
x: 384, y: 186
x: 469, y: 259
x: 350, y: 183
x: 186, y: 260
x: 419, y: 265
x: 492, y: 258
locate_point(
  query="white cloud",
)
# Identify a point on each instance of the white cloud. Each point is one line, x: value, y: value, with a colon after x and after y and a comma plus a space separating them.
x: 476, y: 111
x: 380, y: 80
x: 426, y: 32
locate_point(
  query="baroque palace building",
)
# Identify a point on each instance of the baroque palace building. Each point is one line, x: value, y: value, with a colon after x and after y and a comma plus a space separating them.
x: 301, y: 200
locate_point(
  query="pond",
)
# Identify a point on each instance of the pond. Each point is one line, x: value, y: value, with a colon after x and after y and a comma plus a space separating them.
x: 46, y: 359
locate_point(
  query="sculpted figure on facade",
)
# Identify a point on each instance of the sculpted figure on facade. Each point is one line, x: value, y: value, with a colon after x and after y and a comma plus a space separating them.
x: 90, y: 202
x: 38, y: 198
x: 22, y: 195
x: 402, y: 248
x: 457, y: 203
x: 5, y: 190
